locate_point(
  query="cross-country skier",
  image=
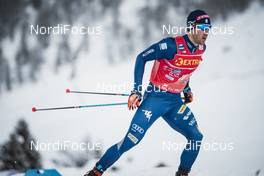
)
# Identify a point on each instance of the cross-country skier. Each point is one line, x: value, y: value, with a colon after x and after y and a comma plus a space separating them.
x: 175, y: 61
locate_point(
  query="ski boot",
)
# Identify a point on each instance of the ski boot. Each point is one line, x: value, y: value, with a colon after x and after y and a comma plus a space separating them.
x: 94, y: 172
x: 181, y: 173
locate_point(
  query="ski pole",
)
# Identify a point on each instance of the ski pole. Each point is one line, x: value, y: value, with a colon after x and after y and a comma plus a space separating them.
x: 34, y: 109
x: 100, y: 93
x: 97, y: 93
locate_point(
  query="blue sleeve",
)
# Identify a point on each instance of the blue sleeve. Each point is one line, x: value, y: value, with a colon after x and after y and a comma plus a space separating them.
x: 164, y: 49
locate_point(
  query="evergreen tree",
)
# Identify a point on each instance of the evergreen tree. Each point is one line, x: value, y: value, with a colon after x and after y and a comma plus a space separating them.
x: 17, y: 153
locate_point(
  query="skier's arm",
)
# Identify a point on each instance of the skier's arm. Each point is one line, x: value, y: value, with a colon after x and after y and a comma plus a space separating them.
x: 164, y: 49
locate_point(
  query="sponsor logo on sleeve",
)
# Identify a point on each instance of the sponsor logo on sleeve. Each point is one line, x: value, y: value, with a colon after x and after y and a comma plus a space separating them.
x: 163, y: 46
x: 148, y: 52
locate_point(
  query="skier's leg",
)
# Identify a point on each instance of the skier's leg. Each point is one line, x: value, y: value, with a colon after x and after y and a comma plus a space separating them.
x: 148, y: 112
x: 182, y: 120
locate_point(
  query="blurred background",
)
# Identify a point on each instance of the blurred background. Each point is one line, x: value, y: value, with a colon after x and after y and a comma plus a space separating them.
x: 35, y: 70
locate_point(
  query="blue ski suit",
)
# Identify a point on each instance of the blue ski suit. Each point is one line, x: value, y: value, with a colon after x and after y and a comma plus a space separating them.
x: 157, y: 104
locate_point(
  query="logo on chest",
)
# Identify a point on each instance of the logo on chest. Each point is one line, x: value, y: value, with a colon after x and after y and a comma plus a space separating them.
x: 187, y: 62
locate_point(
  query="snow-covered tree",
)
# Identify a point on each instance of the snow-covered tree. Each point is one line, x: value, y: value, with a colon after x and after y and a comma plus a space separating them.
x: 17, y: 153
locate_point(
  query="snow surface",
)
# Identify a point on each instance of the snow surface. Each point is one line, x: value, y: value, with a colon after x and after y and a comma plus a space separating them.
x: 228, y: 106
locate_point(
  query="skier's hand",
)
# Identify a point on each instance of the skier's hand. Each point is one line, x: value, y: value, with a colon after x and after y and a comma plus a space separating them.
x: 188, y: 97
x: 134, y: 100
